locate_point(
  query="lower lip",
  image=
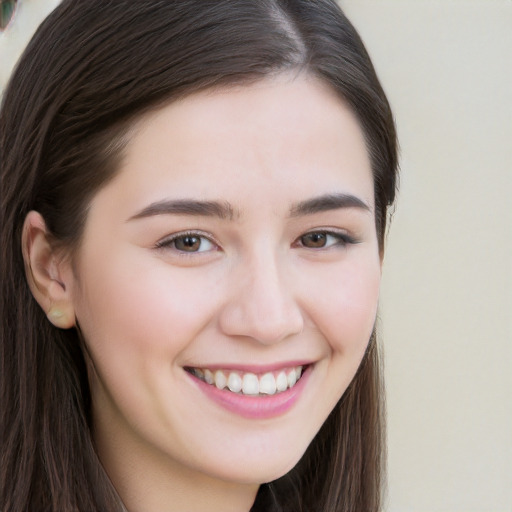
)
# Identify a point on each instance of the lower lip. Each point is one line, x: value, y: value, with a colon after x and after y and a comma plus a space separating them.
x: 255, y: 407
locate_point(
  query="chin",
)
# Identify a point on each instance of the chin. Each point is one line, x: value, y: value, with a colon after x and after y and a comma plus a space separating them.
x: 262, y: 471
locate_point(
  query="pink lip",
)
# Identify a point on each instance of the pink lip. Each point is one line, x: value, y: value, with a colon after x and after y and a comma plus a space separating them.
x: 255, y: 407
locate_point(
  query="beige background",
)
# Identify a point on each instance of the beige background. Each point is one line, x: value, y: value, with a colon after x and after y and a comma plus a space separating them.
x: 446, y: 306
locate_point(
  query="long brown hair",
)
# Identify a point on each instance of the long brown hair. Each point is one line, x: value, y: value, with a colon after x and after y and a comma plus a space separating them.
x: 93, y: 68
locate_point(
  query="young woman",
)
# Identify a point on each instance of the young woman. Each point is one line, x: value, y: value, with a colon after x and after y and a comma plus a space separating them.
x: 193, y: 212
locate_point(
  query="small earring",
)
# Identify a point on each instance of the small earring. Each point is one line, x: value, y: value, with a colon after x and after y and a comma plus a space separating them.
x: 57, y: 317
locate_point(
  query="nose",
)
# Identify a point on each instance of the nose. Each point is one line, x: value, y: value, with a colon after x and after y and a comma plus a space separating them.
x: 261, y: 304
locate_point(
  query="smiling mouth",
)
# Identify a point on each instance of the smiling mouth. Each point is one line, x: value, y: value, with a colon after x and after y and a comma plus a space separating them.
x: 250, y: 384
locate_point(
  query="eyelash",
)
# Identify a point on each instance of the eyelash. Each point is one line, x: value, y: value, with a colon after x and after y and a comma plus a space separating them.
x: 341, y: 240
x: 167, y: 243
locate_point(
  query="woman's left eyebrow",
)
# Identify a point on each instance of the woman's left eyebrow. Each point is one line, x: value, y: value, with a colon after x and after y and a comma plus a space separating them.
x: 328, y: 202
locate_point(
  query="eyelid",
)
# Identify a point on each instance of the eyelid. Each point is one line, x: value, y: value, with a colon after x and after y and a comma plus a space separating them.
x: 343, y: 237
x: 165, y: 243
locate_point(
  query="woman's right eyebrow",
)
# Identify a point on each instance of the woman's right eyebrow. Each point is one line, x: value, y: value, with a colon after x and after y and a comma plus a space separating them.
x: 220, y: 209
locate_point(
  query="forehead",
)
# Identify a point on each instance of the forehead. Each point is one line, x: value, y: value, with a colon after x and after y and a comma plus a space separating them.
x: 287, y: 136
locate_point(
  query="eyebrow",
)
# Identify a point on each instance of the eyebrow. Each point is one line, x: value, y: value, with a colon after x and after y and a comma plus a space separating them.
x: 224, y: 210
x: 327, y: 202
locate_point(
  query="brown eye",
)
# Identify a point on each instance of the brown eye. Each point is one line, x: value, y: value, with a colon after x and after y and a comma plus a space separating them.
x: 6, y: 12
x: 314, y: 240
x: 325, y: 240
x: 188, y: 243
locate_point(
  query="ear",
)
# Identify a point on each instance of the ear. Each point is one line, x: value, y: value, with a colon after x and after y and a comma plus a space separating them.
x: 48, y: 272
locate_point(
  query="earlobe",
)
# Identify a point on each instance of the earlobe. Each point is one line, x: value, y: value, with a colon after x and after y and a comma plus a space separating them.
x: 60, y: 318
x: 45, y: 273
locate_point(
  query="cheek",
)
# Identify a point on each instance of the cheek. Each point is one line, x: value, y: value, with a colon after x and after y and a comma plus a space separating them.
x: 345, y: 316
x: 149, y: 307
x: 346, y: 311
x: 137, y: 325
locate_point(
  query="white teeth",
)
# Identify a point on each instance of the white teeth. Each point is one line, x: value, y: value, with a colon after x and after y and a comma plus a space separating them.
x: 281, y: 382
x: 234, y: 382
x: 292, y: 378
x: 268, y: 384
x: 250, y: 384
x: 220, y: 379
x: 208, y: 377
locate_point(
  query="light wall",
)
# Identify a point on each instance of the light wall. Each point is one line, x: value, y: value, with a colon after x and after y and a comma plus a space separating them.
x: 446, y: 306
x: 28, y: 15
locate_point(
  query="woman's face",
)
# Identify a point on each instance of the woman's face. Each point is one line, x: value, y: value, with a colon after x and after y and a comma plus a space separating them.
x: 237, y: 244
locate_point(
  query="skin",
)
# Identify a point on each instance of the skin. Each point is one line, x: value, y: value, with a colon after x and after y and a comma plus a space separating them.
x: 256, y: 291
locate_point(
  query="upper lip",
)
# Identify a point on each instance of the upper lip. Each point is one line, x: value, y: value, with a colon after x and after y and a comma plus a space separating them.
x: 254, y: 368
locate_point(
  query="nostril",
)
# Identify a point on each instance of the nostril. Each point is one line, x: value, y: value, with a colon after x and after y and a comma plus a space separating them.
x: 266, y: 326
x: 7, y: 8
x: 262, y: 303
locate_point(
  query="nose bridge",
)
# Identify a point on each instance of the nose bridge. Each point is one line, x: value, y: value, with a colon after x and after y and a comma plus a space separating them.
x: 263, y: 305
